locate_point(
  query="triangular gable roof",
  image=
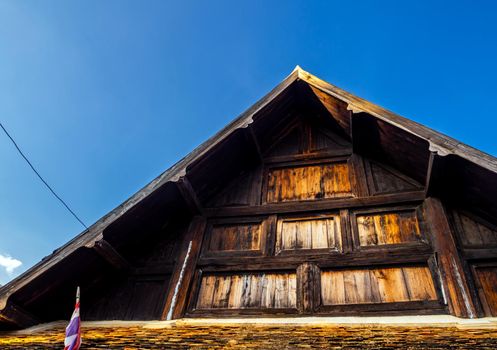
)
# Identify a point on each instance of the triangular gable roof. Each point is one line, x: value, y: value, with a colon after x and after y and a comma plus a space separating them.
x: 441, y: 144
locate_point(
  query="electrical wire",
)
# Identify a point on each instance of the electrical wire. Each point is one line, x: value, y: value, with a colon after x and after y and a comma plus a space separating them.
x: 41, y: 178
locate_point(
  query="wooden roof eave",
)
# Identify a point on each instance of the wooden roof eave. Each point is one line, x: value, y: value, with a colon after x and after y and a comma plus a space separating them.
x: 94, y: 233
x: 439, y: 143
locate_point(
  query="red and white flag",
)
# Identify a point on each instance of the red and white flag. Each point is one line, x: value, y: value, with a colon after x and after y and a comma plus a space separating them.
x: 73, y: 329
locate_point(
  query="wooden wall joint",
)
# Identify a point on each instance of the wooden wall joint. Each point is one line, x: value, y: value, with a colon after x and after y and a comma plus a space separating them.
x: 454, y: 279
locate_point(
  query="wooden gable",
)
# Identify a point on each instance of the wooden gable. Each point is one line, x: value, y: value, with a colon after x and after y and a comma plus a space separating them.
x: 311, y: 203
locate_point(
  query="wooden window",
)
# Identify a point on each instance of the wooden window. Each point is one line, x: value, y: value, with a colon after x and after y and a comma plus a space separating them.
x: 309, y: 233
x: 238, y: 237
x: 248, y: 291
x: 382, y: 285
x: 308, y: 182
x: 382, y: 227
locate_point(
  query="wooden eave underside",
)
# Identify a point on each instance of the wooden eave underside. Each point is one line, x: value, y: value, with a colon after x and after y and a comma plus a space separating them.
x: 439, y: 143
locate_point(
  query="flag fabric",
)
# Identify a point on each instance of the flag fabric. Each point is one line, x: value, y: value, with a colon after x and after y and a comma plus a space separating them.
x: 73, y: 329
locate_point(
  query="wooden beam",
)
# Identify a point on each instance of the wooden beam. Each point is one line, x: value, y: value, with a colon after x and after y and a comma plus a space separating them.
x: 189, y: 195
x: 253, y: 138
x: 17, y: 316
x: 308, y: 287
x: 318, y: 205
x: 413, y: 254
x: 184, y: 270
x: 112, y: 256
x: 436, y: 180
x: 160, y: 269
x: 429, y: 173
x: 454, y: 280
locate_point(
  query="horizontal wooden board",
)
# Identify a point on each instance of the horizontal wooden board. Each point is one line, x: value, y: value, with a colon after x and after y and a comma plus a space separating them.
x: 308, y: 233
x: 385, y: 285
x: 388, y: 228
x: 235, y: 237
x: 248, y: 291
x: 330, y: 180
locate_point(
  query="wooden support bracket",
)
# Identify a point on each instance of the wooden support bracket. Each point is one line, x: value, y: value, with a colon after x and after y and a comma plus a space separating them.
x: 112, y: 256
x: 189, y: 195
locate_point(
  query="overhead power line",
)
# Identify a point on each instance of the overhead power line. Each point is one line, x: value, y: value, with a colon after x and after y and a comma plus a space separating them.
x: 41, y: 178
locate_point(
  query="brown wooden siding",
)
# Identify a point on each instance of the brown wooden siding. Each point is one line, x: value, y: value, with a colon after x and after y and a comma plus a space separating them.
x: 252, y: 291
x: 309, y: 233
x: 383, y: 179
x: 235, y: 237
x: 388, y: 228
x: 308, y: 182
x: 384, y: 285
x: 475, y: 232
x: 486, y: 280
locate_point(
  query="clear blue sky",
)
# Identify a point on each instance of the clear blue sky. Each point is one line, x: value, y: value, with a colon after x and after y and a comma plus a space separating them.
x: 104, y: 95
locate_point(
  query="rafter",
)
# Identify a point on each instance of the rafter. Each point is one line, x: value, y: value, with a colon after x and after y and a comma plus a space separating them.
x: 189, y: 195
x: 112, y: 256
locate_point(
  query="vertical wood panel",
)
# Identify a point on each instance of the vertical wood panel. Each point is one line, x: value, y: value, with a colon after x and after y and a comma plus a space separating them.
x: 475, y: 232
x: 235, y: 237
x: 309, y: 182
x: 309, y: 233
x: 388, y: 228
x: 383, y: 179
x: 248, y: 291
x: 384, y: 285
x: 419, y: 283
x: 241, y: 191
x: 487, y: 277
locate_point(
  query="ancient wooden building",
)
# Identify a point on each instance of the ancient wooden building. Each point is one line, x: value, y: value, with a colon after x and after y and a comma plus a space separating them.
x: 312, y: 202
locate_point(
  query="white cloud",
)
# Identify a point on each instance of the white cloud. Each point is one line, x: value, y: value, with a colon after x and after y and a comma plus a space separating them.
x: 9, y: 263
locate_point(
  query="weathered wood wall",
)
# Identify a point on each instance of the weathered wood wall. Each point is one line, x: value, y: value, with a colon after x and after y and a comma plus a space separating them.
x: 285, y: 246
x: 314, y: 228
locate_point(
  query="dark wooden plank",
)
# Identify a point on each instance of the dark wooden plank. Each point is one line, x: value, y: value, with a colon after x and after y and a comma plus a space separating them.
x: 454, y: 279
x: 112, y: 256
x: 17, y: 316
x: 189, y: 195
x: 486, y: 277
x: 419, y: 253
x: 480, y: 253
x: 184, y: 270
x: 317, y: 205
x: 358, y: 176
x: 307, y: 283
